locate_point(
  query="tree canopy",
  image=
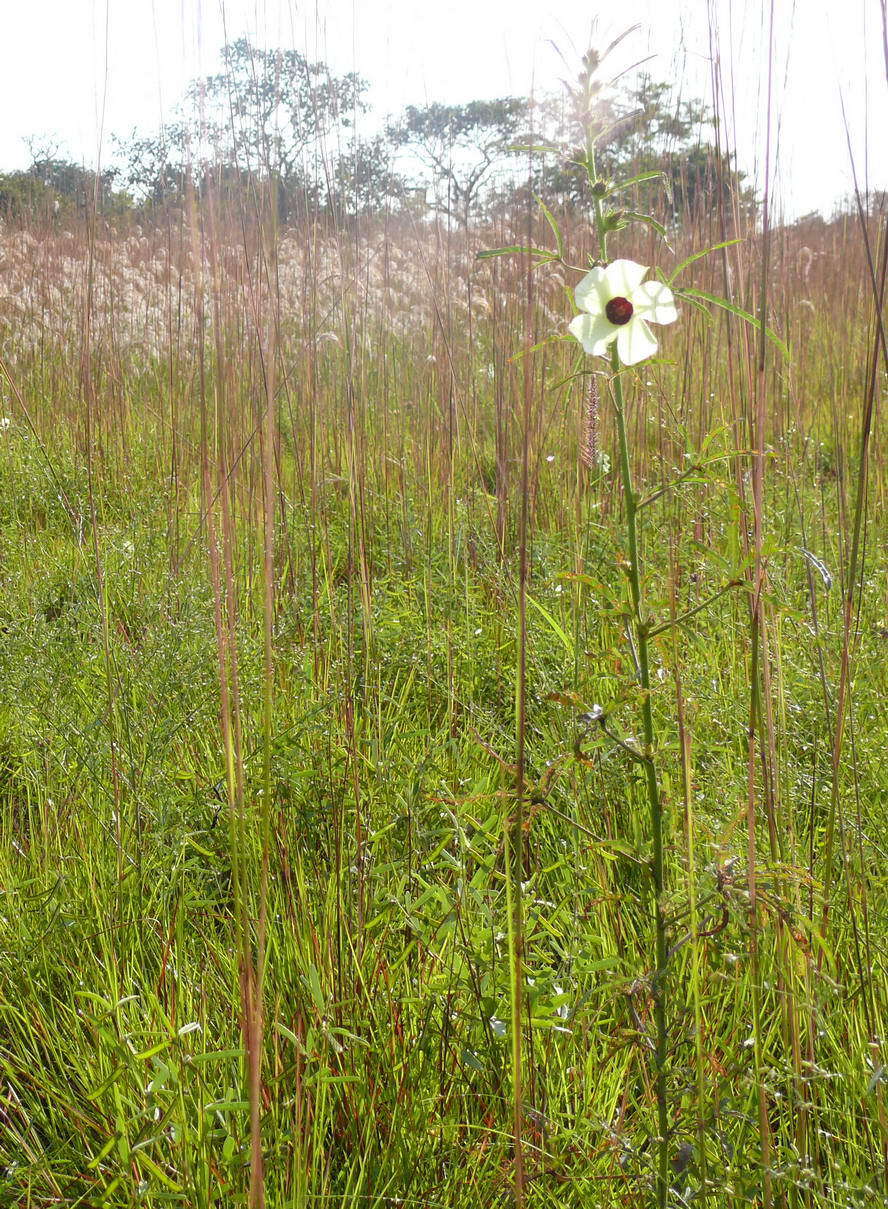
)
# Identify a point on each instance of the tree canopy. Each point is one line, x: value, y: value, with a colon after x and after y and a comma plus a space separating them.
x: 53, y: 185
x: 457, y: 147
x: 266, y: 110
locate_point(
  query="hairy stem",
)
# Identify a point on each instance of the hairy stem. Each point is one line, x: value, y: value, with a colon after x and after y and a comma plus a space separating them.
x: 655, y: 804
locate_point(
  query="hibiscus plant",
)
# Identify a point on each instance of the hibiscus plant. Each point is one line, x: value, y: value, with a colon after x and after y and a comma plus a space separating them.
x: 616, y: 306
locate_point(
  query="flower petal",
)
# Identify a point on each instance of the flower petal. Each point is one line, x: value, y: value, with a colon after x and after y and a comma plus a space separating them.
x: 594, y: 332
x: 621, y: 278
x: 635, y: 341
x: 654, y: 302
x: 588, y: 293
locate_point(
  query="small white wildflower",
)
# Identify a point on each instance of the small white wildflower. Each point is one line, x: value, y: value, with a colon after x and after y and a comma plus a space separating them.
x: 5, y: 423
x: 617, y: 305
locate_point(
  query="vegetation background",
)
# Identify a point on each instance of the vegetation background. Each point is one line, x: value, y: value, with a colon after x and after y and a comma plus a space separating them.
x: 313, y: 588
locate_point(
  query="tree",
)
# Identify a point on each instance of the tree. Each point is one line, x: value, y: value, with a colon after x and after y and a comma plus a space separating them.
x: 267, y: 109
x: 362, y: 180
x: 266, y: 115
x: 56, y: 185
x: 156, y: 166
x: 460, y: 145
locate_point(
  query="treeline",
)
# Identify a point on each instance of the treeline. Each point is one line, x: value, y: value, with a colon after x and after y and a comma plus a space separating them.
x: 272, y: 124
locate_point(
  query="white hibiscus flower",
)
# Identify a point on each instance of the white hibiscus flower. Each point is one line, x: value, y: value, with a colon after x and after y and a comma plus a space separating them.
x: 615, y: 304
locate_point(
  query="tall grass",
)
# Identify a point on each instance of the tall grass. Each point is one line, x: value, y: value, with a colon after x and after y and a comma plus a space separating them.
x: 307, y: 593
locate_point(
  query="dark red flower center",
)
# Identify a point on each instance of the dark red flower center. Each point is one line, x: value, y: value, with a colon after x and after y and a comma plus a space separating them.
x: 619, y: 311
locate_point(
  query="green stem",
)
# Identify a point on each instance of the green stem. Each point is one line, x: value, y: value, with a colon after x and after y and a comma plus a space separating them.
x: 689, y: 613
x: 640, y: 634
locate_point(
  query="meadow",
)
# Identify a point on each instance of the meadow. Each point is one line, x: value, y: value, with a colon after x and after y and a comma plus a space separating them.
x: 325, y: 852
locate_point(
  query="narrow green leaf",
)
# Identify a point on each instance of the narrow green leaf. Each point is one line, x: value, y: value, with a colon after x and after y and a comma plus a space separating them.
x: 635, y: 216
x: 553, y: 624
x: 619, y: 186
x: 317, y: 994
x: 155, y: 1049
x: 726, y: 243
x: 103, y: 1153
x: 158, y: 1173
x: 534, y: 348
x: 723, y: 303
x: 219, y: 1053
x: 514, y: 250
x: 553, y: 225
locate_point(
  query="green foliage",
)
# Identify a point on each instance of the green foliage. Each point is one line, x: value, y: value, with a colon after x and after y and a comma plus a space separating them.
x: 265, y: 116
x: 156, y: 167
x: 23, y: 194
x: 56, y: 186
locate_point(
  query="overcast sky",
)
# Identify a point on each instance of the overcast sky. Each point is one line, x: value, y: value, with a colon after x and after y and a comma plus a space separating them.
x: 81, y: 70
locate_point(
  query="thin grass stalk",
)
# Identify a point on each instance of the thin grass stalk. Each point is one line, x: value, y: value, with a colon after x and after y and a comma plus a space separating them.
x: 759, y: 749
x: 686, y: 764
x: 852, y: 586
x: 88, y: 394
x: 268, y: 435
x: 515, y: 850
x: 853, y: 590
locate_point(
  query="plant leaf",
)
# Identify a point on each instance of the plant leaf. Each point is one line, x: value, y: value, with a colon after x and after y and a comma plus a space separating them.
x: 634, y: 216
x: 635, y: 180
x: 723, y: 303
x: 515, y: 250
x: 699, y: 256
x: 556, y: 230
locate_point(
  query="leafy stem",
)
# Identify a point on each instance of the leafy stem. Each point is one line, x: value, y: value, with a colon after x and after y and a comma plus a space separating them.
x: 639, y: 635
x: 704, y: 604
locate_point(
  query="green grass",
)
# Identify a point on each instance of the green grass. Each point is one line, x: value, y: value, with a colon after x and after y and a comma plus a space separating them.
x: 131, y: 893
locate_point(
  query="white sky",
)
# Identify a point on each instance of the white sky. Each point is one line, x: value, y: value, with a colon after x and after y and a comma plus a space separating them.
x: 83, y: 69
